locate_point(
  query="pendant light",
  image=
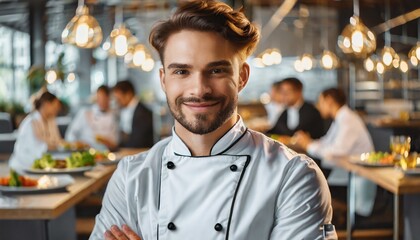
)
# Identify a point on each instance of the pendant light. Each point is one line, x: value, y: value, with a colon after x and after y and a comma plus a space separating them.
x: 120, y: 40
x: 83, y: 30
x: 388, y: 53
x: 328, y: 59
x: 414, y: 53
x: 369, y: 64
x: 356, y: 39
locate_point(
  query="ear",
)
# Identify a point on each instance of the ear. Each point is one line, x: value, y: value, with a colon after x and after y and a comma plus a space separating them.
x: 162, y: 79
x: 243, y: 76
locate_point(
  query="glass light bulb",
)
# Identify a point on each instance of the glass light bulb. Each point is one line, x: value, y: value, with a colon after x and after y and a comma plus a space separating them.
x: 403, y: 66
x: 369, y: 65
x: 139, y: 55
x: 329, y: 60
x: 267, y: 59
x: 276, y: 56
x: 307, y: 62
x: 51, y: 76
x: 298, y: 66
x: 380, y: 68
x: 82, y: 34
x: 357, y: 41
x: 418, y: 52
x: 388, y: 54
x: 71, y: 77
x: 121, y: 46
x: 148, y: 65
x: 414, y: 54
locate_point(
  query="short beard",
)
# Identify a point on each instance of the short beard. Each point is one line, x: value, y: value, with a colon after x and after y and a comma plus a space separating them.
x: 199, y: 126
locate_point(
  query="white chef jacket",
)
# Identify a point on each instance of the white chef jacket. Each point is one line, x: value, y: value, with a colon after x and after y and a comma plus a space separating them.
x: 347, y: 135
x: 250, y: 187
x: 32, y: 141
x: 90, y: 122
x: 274, y: 110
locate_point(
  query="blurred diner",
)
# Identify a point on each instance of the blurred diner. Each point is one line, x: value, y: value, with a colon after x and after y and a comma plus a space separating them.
x: 38, y: 133
x: 96, y: 125
x: 136, y: 120
x: 299, y: 115
x: 347, y: 136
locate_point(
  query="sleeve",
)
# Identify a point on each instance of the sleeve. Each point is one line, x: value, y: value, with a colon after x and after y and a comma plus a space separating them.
x: 303, y: 203
x: 115, y: 205
x: 76, y: 126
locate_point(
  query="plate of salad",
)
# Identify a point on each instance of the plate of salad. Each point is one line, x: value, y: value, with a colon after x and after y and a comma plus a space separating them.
x: 75, y: 163
x: 16, y: 183
x: 374, y: 159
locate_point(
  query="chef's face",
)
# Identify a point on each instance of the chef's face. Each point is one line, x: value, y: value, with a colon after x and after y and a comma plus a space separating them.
x: 201, y: 77
x: 102, y: 99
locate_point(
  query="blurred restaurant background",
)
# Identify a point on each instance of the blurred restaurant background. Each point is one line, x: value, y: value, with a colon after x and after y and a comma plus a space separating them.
x: 368, y: 48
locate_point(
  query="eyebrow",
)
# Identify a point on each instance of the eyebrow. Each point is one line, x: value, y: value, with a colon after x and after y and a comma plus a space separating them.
x: 212, y: 64
x: 179, y: 65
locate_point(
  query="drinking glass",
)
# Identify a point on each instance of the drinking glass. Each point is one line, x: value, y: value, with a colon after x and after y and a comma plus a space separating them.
x: 410, y: 161
x: 400, y: 147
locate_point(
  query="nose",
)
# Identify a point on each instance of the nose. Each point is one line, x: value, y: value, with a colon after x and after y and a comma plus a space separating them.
x: 200, y: 85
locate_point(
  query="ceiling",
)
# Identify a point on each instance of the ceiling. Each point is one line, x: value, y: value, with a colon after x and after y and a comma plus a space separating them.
x: 16, y: 13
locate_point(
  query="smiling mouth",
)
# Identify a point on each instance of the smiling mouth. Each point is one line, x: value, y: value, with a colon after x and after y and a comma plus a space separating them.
x: 200, y: 106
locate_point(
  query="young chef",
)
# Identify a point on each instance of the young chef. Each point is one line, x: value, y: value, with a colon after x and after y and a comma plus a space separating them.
x: 214, y: 178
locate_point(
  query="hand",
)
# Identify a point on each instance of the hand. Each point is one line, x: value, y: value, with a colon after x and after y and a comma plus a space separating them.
x: 115, y: 233
x: 302, y: 139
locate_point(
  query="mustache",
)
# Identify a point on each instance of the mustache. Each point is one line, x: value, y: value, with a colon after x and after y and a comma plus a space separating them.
x: 198, y: 100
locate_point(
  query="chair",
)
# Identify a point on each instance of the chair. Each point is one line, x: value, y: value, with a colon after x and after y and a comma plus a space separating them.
x: 5, y: 123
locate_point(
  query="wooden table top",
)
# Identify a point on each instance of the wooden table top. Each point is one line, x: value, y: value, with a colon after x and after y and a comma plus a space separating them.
x: 52, y: 205
x: 390, y: 178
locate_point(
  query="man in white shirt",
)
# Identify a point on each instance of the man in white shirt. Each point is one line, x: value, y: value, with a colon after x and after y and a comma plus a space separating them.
x: 136, y: 120
x: 95, y: 125
x: 214, y: 178
x: 347, y: 135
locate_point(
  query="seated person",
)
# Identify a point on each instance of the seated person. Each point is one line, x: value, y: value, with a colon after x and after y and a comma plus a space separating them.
x: 38, y: 133
x: 347, y: 135
x: 96, y: 125
x: 276, y: 105
x: 136, y: 120
x: 299, y: 115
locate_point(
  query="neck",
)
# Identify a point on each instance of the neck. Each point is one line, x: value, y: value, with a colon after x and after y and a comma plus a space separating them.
x: 43, y: 114
x: 200, y: 145
x: 334, y: 111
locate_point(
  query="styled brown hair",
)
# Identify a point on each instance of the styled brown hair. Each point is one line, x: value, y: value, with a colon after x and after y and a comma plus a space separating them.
x: 208, y: 16
x: 294, y: 82
x: 337, y: 95
x: 45, y: 97
x: 125, y: 87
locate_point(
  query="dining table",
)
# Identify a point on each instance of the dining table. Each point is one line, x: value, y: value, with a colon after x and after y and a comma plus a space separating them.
x: 404, y: 187
x: 51, y: 215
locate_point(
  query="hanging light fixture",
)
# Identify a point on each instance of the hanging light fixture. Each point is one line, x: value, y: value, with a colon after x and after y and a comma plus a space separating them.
x: 298, y: 66
x: 380, y: 68
x: 307, y: 61
x: 388, y: 53
x: 148, y: 64
x: 369, y: 64
x: 403, y: 66
x: 329, y: 60
x: 83, y: 30
x: 414, y: 54
x: 120, y: 40
x: 271, y: 56
x: 356, y: 39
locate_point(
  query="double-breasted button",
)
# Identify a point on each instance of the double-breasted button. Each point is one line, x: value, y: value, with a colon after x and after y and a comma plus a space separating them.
x: 233, y: 168
x: 170, y: 165
x: 171, y: 226
x: 218, y: 227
